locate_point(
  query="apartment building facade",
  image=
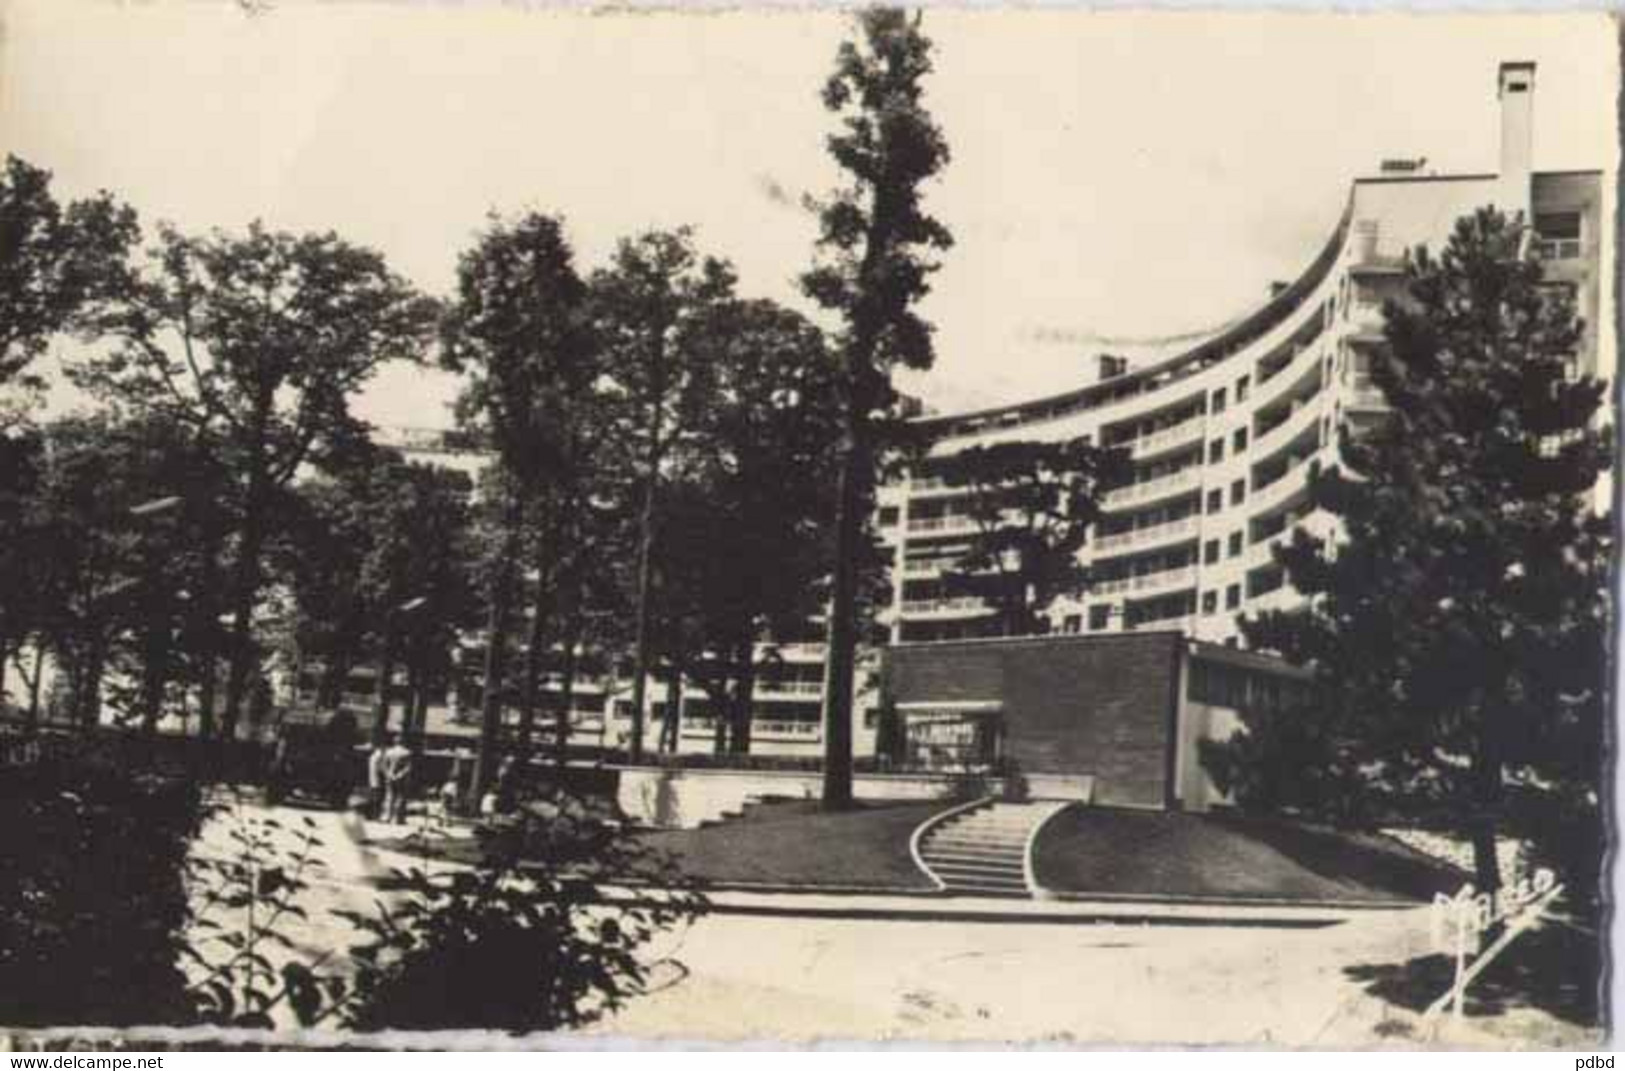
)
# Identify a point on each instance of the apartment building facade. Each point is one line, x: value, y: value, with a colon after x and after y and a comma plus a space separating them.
x: 1225, y: 437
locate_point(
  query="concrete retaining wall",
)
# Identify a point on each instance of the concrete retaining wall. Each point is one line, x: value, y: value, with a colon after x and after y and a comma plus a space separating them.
x: 682, y: 799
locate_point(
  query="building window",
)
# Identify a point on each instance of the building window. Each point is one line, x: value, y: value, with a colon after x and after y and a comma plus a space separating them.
x: 1217, y: 405
x: 1241, y: 389
x: 888, y: 516
x: 1238, y: 492
x: 1558, y: 235
x: 1232, y: 596
x: 1210, y: 602
x: 1210, y: 553
x: 1099, y: 616
x: 1238, y: 441
x: 1215, y: 500
x: 1215, y: 451
x: 1074, y: 623
x: 1235, y: 543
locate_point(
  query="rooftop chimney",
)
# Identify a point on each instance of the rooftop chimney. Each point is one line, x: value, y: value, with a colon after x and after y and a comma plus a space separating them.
x: 1516, y: 89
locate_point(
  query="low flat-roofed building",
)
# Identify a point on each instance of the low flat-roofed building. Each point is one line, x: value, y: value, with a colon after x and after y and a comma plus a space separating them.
x: 1116, y: 719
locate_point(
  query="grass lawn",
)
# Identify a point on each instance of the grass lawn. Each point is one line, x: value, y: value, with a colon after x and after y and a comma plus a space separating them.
x: 776, y: 842
x: 1125, y: 852
x: 792, y: 842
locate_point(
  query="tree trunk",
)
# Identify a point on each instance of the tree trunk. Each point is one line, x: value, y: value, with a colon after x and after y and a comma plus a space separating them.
x: 386, y: 671
x: 721, y: 714
x: 245, y: 589
x: 744, y: 697
x: 670, y: 725
x: 155, y: 678
x: 89, y: 701
x: 412, y: 722
x: 206, y: 604
x: 34, y: 685
x: 840, y: 645
x: 640, y: 660
x: 1488, y: 768
x: 496, y: 642
x: 535, y: 654
x: 567, y: 688
x: 420, y: 711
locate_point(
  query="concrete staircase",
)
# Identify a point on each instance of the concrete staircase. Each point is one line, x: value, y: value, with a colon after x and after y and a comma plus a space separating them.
x: 983, y: 851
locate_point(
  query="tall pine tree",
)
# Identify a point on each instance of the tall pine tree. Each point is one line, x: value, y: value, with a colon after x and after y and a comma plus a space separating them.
x: 1458, y: 626
x: 878, y: 244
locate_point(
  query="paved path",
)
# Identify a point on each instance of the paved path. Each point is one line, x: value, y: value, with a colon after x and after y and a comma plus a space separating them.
x: 801, y: 979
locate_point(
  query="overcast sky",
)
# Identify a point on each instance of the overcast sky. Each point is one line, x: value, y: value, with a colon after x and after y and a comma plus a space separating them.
x: 1113, y: 174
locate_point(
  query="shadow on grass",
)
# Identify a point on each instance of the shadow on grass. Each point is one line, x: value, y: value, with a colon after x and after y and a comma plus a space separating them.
x: 1383, y: 866
x: 1554, y: 969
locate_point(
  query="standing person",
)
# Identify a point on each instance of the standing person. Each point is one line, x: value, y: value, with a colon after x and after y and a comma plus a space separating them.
x: 507, y: 785
x: 375, y: 779
x: 397, y: 771
x: 462, y: 774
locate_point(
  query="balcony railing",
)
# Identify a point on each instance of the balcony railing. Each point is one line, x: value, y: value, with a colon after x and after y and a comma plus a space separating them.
x: 1186, y: 623
x: 1156, y: 533
x: 791, y: 687
x: 1284, y: 486
x: 1183, y: 432
x: 1149, y: 489
x: 766, y: 727
x: 1166, y: 579
x: 943, y: 606
x: 1290, y: 427
x: 954, y: 522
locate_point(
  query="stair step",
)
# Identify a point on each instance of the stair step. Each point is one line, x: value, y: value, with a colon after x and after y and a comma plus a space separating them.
x: 1012, y: 835
x: 972, y: 857
x: 1003, y: 862
x: 974, y: 851
x: 979, y: 873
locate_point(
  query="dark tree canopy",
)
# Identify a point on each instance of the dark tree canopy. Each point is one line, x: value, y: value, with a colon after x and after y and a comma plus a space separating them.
x: 56, y: 262
x: 1458, y: 628
x: 1033, y: 504
x: 257, y: 342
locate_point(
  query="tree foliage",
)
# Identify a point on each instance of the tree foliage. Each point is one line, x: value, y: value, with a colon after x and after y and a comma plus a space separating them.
x: 522, y: 331
x: 56, y: 263
x: 1458, y: 628
x: 655, y: 308
x: 1033, y: 504
x: 877, y: 245
x: 257, y: 342
x: 743, y: 555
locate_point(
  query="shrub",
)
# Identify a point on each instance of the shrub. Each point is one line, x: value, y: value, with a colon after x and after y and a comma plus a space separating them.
x: 519, y: 946
x: 93, y: 908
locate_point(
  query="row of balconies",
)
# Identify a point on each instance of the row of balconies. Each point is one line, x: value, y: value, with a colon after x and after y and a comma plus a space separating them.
x: 1148, y: 490
x: 957, y: 604
x: 1156, y: 533
x: 1165, y: 580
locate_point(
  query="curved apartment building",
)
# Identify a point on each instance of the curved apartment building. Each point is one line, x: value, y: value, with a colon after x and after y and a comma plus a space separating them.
x: 1225, y: 436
